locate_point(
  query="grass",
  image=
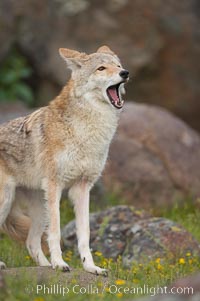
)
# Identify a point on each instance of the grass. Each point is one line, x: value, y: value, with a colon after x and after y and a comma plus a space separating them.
x: 122, y: 283
x: 186, y: 214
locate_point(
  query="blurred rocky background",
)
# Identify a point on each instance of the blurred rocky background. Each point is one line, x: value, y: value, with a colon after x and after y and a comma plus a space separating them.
x: 157, y: 40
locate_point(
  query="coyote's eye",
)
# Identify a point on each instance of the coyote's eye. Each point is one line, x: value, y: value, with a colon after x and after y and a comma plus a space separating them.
x: 101, y: 68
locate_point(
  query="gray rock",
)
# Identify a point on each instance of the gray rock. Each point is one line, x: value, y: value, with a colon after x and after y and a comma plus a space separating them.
x: 157, y: 237
x: 134, y: 235
x: 189, y: 281
x: 154, y: 158
x: 108, y: 230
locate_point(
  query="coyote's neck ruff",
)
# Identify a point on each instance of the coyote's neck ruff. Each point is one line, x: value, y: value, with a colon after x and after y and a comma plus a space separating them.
x: 63, y: 145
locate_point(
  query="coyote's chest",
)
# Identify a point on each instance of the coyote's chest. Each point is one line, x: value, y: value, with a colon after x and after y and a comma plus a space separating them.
x: 85, y: 154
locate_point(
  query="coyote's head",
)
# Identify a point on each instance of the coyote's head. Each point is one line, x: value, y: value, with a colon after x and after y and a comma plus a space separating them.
x: 98, y: 76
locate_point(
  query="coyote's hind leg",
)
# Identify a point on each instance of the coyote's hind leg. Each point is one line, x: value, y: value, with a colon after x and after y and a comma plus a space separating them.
x: 53, y: 194
x: 37, y: 214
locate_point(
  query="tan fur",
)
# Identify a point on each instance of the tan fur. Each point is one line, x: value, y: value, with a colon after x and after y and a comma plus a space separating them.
x: 62, y: 145
x: 17, y: 227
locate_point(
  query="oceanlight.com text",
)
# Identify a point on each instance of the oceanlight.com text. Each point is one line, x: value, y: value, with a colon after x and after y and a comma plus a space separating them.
x: 59, y: 289
x: 152, y: 291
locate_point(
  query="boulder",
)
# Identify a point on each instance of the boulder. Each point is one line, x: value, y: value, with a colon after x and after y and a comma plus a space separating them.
x: 158, y: 42
x: 134, y: 235
x: 189, y: 281
x: 154, y: 158
x: 157, y: 237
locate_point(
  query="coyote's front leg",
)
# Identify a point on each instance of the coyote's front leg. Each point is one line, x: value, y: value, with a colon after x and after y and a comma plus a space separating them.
x: 79, y: 194
x: 53, y: 195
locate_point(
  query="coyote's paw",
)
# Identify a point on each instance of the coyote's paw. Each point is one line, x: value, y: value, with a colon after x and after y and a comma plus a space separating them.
x: 61, y: 265
x: 96, y: 270
x: 2, y: 265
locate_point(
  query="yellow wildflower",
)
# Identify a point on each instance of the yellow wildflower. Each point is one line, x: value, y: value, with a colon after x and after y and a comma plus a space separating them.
x: 182, y: 261
x: 157, y: 260
x: 27, y: 257
x: 119, y: 295
x: 120, y: 282
x: 188, y: 254
x: 67, y: 258
x: 104, y: 262
x: 159, y: 267
x: 68, y: 253
x: 98, y: 253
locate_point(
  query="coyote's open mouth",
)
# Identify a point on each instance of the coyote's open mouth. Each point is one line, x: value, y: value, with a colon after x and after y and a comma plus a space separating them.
x: 113, y: 95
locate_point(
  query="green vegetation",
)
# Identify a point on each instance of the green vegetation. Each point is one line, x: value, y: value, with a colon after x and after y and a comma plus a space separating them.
x: 160, y: 272
x: 186, y: 214
x: 14, y: 72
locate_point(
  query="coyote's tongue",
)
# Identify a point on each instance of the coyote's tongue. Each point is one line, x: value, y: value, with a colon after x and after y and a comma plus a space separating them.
x: 113, y: 95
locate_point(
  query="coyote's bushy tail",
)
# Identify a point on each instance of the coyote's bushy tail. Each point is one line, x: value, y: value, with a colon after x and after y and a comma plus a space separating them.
x: 17, y: 226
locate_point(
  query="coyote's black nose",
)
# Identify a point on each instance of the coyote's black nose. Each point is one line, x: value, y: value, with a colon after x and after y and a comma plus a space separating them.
x: 124, y: 74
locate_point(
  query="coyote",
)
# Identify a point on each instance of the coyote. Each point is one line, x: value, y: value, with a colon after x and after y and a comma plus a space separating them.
x: 61, y: 146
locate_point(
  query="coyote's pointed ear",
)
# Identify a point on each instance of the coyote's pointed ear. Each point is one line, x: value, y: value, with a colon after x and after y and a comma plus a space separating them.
x: 73, y: 58
x: 105, y: 49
